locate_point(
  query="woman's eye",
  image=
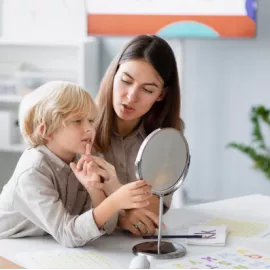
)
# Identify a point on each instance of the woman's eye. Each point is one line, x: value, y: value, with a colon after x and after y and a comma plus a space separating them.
x: 148, y: 91
x: 126, y: 82
x: 78, y: 121
x: 91, y: 121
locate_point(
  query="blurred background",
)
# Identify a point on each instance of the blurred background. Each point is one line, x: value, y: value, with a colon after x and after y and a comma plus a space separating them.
x: 224, y: 72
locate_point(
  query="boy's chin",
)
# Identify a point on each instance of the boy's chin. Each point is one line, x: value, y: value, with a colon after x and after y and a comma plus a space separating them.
x: 81, y: 152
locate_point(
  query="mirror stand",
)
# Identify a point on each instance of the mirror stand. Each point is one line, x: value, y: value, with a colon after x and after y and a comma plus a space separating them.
x: 163, y: 160
x: 159, y: 249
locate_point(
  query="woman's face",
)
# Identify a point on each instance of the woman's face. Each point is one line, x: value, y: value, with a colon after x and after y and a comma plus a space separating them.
x: 136, y: 87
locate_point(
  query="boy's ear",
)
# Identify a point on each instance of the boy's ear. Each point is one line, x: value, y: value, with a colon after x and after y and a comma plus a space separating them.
x: 163, y: 94
x: 42, y: 131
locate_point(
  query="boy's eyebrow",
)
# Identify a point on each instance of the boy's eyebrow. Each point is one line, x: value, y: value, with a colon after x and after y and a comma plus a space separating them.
x: 152, y: 84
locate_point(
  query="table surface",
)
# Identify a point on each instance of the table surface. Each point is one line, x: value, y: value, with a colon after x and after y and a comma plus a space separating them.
x: 118, y: 247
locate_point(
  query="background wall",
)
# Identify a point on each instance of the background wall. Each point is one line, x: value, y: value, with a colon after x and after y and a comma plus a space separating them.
x: 221, y: 80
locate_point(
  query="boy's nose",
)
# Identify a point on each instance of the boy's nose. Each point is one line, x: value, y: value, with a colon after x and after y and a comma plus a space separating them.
x: 88, y: 127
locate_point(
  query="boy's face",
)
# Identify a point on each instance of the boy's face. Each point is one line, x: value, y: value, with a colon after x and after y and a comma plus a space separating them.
x: 72, y: 138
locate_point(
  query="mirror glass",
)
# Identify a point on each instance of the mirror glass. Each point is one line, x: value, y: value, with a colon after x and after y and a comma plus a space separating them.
x: 163, y: 160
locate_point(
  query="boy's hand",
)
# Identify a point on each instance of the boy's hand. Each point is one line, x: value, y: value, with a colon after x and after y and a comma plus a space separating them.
x: 89, y: 173
x: 111, y: 183
x: 132, y: 195
x: 92, y: 178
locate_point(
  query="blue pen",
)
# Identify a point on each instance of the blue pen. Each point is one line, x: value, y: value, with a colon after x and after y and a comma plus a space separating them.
x: 174, y: 236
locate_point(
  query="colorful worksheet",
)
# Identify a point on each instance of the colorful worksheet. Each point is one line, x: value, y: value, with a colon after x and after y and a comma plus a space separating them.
x: 241, y: 228
x: 212, y: 235
x: 227, y: 258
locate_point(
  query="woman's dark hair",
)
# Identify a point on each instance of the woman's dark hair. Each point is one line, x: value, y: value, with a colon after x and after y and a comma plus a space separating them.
x: 164, y: 113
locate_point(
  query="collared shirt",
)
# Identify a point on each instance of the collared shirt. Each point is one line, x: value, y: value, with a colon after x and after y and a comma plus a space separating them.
x: 122, y: 154
x: 43, y: 196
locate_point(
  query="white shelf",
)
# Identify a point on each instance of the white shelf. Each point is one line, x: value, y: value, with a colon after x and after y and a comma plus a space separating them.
x: 15, y: 148
x: 79, y: 57
x: 10, y: 98
x: 50, y: 43
x: 9, y: 101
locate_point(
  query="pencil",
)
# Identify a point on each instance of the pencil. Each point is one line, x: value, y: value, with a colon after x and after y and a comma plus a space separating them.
x: 174, y: 236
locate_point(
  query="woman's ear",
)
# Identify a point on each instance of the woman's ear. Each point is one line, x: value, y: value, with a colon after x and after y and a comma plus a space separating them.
x: 162, y: 95
x: 42, y: 131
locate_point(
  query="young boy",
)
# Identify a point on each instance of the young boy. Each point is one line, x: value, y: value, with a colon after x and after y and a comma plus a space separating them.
x: 44, y: 195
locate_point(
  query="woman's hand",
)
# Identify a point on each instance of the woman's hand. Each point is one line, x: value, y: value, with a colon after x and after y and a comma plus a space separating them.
x: 138, y: 221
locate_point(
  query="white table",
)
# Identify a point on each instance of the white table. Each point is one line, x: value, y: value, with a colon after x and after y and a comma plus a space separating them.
x: 118, y: 247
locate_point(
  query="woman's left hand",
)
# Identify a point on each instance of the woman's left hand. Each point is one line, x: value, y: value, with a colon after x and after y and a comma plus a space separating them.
x: 138, y: 221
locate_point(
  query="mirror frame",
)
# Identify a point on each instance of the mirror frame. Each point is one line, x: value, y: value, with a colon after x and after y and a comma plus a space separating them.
x: 138, y: 163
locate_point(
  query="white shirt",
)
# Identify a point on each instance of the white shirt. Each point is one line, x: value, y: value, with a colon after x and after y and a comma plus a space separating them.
x: 43, y: 196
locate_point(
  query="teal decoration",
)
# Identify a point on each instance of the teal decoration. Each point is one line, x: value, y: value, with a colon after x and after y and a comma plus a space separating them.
x: 187, y: 29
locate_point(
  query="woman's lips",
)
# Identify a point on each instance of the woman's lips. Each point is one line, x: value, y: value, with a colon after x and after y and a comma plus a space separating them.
x: 127, y: 108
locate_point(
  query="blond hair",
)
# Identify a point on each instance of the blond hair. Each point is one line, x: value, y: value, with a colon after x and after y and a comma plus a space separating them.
x: 52, y: 104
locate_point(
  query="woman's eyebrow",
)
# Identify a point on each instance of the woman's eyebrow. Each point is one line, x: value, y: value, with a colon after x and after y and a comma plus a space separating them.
x: 128, y: 75
x: 152, y: 84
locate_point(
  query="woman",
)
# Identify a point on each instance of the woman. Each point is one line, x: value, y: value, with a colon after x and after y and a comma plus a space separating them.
x: 139, y: 93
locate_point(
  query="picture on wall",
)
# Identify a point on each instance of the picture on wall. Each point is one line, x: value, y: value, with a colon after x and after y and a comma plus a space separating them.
x: 173, y: 18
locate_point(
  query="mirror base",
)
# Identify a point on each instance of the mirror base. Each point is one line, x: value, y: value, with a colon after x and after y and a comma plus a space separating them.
x: 168, y: 250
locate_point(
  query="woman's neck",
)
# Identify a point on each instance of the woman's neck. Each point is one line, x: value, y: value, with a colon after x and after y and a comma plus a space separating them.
x: 124, y: 128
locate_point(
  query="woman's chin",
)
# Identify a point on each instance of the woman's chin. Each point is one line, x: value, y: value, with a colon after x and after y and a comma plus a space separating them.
x: 127, y: 116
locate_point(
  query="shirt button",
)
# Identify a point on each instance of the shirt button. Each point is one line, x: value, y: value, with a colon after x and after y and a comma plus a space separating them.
x: 58, y: 169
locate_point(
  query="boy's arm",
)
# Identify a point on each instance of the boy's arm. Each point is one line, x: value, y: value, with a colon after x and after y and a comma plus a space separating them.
x: 38, y: 201
x: 97, y: 196
x: 111, y: 224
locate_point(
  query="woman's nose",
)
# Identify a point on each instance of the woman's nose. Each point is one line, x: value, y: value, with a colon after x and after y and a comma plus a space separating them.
x: 132, y: 95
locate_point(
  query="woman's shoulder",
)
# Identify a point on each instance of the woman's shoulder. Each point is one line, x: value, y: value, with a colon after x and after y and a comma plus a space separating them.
x: 180, y: 125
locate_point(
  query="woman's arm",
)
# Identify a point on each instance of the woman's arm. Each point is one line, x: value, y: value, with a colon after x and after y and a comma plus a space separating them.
x: 153, y: 205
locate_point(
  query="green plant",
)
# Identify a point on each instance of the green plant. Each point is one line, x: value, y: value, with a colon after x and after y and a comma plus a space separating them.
x: 258, y: 151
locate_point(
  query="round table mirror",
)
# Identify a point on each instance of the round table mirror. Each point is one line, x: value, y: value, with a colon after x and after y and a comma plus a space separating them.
x: 163, y: 160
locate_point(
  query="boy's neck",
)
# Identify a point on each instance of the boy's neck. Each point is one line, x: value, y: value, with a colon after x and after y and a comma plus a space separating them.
x: 64, y: 156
